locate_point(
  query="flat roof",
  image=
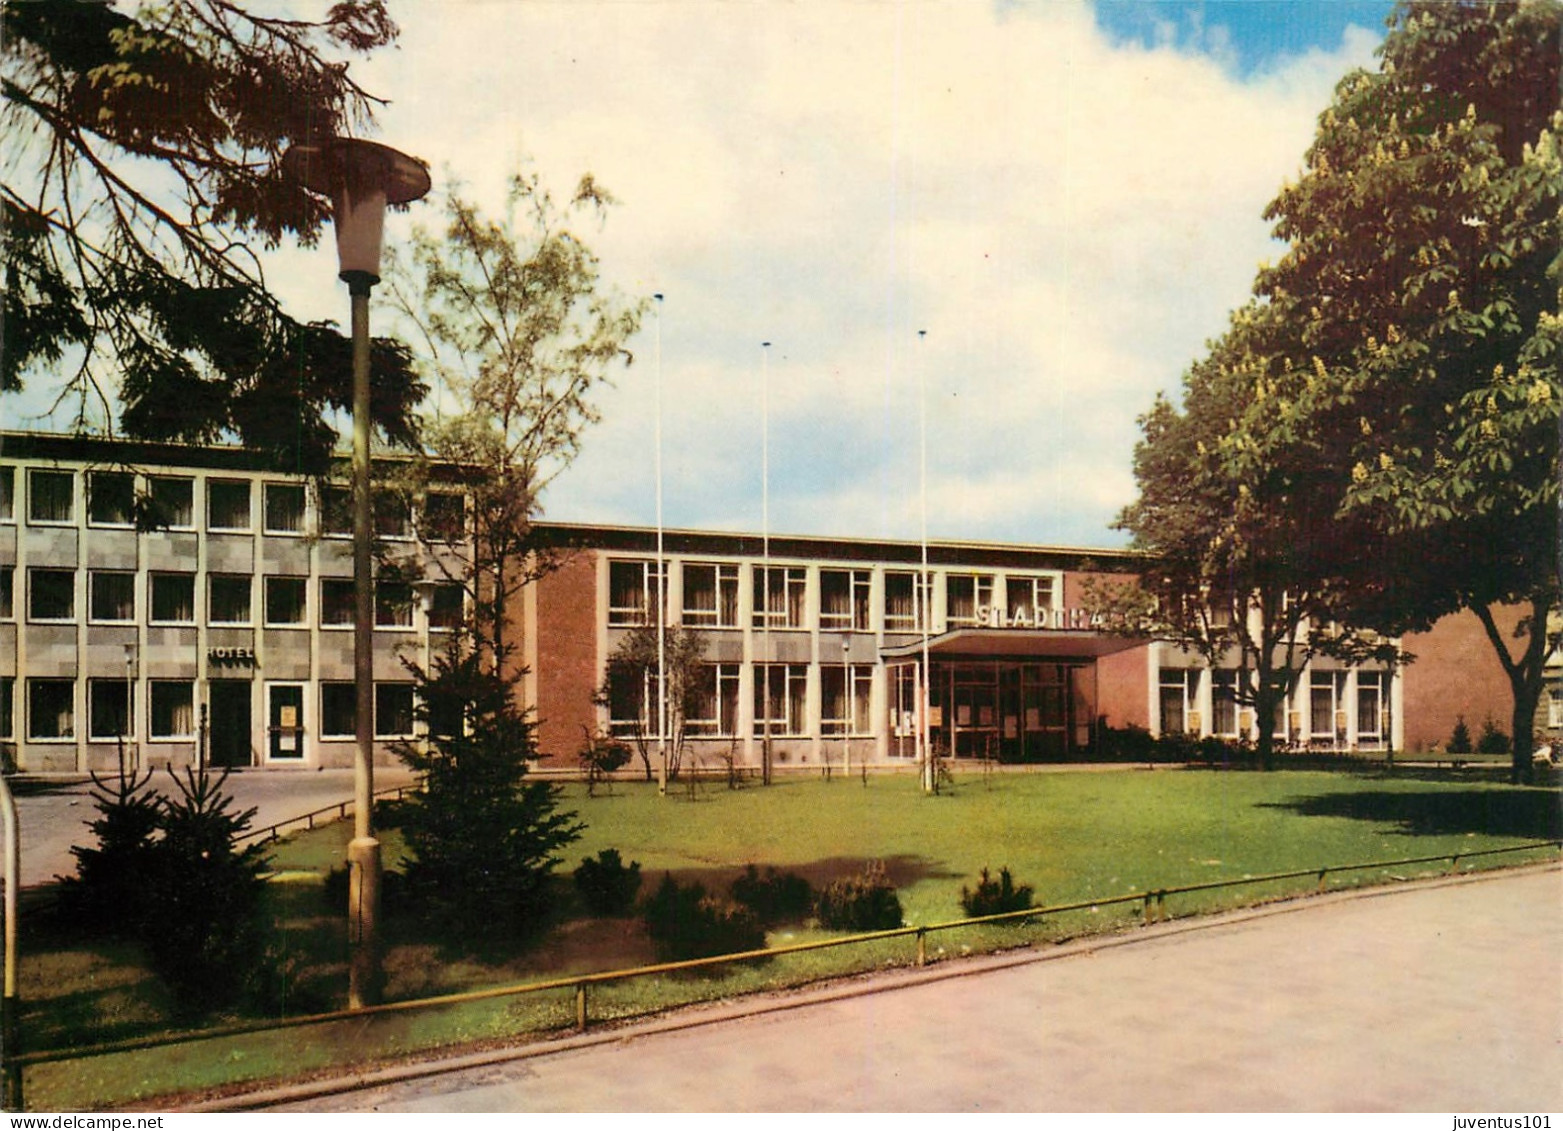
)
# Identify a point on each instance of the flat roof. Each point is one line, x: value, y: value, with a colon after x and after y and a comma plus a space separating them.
x: 1018, y: 643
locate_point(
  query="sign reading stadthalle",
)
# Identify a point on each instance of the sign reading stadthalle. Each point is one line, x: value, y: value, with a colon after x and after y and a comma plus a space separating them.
x: 991, y: 616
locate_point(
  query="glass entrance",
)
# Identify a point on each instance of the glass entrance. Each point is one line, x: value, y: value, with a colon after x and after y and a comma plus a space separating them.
x: 285, y: 713
x: 228, y: 725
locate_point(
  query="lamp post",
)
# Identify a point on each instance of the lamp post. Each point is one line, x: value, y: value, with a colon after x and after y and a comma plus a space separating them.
x: 846, y: 734
x: 361, y: 177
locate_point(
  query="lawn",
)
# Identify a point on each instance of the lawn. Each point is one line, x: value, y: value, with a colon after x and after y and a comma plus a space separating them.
x: 1074, y: 837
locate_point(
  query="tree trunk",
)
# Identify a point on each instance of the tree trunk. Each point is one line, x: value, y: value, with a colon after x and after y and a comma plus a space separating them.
x: 1526, y: 700
x: 1526, y: 680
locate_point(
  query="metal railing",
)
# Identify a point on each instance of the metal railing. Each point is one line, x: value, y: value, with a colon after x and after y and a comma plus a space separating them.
x: 338, y: 812
x: 1153, y: 902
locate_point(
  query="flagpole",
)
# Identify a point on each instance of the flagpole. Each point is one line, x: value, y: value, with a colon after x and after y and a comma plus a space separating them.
x: 765, y: 544
x: 925, y: 730
x: 661, y: 578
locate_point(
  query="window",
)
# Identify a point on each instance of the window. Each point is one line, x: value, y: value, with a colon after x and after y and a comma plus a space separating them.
x: 51, y: 496
x: 109, y: 716
x: 336, y: 511
x: 780, y: 692
x: 444, y: 516
x: 843, y: 599
x: 392, y: 604
x: 51, y: 709
x: 1177, y: 701
x: 713, y: 708
x: 392, y: 710
x: 1223, y: 703
x: 7, y: 592
x: 173, y: 709
x: 392, y: 516
x: 966, y: 597
x: 7, y: 494
x: 338, y: 602
x: 1372, y: 709
x: 338, y: 710
x: 1025, y: 598
x: 173, y: 598
x: 285, y: 600
x: 778, y: 596
x: 1327, y: 707
x: 173, y: 501
x: 284, y: 508
x: 7, y: 707
x: 632, y: 700
x: 845, y: 694
x: 710, y: 595
x: 51, y: 594
x: 228, y: 599
x: 632, y: 589
x: 111, y: 596
x: 1555, y: 706
x: 227, y: 504
x: 111, y: 498
x: 447, y: 606
x: 906, y: 602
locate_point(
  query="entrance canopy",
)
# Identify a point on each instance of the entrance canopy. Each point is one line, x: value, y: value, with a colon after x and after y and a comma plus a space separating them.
x: 1011, y: 643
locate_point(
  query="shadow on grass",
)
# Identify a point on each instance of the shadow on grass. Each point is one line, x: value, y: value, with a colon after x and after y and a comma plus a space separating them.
x: 1531, y: 814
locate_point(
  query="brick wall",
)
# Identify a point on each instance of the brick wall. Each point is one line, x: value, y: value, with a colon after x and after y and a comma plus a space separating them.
x: 1456, y: 673
x: 567, y: 659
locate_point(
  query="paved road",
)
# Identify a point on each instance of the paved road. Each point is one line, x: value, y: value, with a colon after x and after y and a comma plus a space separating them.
x: 52, y: 818
x: 1443, y: 998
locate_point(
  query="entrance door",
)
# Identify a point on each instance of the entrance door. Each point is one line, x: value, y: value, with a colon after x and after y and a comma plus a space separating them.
x: 228, y: 727
x: 285, y: 714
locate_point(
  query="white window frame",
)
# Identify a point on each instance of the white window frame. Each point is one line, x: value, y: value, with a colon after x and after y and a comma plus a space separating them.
x: 793, y: 592
x: 34, y: 475
x: 922, y: 612
x: 981, y: 593
x: 33, y: 573
x: 249, y: 604
x: 163, y: 686
x: 268, y: 527
x: 645, y: 613
x: 859, y: 594
x: 152, y: 590
x: 92, y: 596
x: 215, y: 487
x: 724, y: 581
x: 794, y: 694
x: 303, y: 585
x: 127, y: 522
x: 153, y: 482
x: 33, y: 683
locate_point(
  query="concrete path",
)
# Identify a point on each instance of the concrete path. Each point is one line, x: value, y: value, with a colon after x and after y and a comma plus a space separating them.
x: 53, y: 817
x: 1442, y: 997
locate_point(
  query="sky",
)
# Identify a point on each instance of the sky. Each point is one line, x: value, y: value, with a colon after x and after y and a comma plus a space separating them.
x: 991, y: 231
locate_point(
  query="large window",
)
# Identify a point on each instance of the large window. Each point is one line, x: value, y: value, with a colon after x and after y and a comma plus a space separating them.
x: 51, y: 709
x: 1555, y: 706
x: 392, y: 710
x: 392, y: 604
x: 173, y: 501
x: 906, y: 602
x: 111, y: 498
x: 173, y: 598
x: 286, y: 603
x: 109, y: 714
x: 1223, y: 703
x: 392, y: 516
x: 447, y: 606
x: 710, y: 595
x: 7, y: 592
x: 228, y: 599
x: 444, y: 516
x: 227, y: 504
x: 632, y: 593
x: 173, y: 709
x: 51, y: 594
x: 338, y: 710
x: 1327, y: 707
x: 284, y: 508
x: 966, y: 597
x: 1372, y: 708
x: 846, y: 691
x: 843, y: 599
x: 1177, y: 691
x: 111, y: 596
x: 51, y: 496
x: 713, y: 707
x: 780, y: 699
x: 779, y: 596
x: 7, y: 706
x: 1025, y: 598
x: 7, y: 494
x: 338, y: 604
x: 336, y: 511
x: 632, y: 701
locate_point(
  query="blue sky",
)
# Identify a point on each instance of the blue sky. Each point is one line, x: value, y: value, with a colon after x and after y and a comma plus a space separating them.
x: 1067, y: 198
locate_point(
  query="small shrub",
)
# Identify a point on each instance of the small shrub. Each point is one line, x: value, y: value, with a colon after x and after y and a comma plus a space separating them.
x: 607, y: 885
x: 994, y: 897
x: 1460, y: 740
x: 600, y: 757
x: 777, y: 897
x: 684, y: 922
x: 860, y: 903
x: 1494, y: 740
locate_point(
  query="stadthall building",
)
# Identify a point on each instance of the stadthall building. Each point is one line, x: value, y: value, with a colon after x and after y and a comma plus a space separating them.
x: 237, y: 608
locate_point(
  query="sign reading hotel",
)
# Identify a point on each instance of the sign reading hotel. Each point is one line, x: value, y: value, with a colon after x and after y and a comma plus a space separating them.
x: 991, y: 616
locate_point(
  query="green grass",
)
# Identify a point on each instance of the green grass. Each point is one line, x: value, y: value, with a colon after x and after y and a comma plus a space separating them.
x: 1074, y: 837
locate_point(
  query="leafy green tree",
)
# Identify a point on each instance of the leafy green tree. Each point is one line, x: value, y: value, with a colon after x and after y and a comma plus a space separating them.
x: 631, y: 685
x: 1244, y: 555
x: 144, y: 174
x: 1422, y: 282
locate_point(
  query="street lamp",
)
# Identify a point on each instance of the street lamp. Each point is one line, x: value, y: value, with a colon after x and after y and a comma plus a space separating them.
x: 361, y: 177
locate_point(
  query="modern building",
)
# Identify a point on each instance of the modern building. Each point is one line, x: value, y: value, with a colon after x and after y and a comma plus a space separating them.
x: 143, y: 586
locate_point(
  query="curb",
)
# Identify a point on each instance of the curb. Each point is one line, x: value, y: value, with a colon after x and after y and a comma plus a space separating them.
x: 858, y: 986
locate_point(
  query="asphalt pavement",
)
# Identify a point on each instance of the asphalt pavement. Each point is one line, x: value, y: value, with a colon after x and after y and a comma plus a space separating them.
x: 1439, y: 997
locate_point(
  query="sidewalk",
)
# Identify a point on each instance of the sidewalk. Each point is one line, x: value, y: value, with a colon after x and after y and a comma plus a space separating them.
x: 1438, y: 996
